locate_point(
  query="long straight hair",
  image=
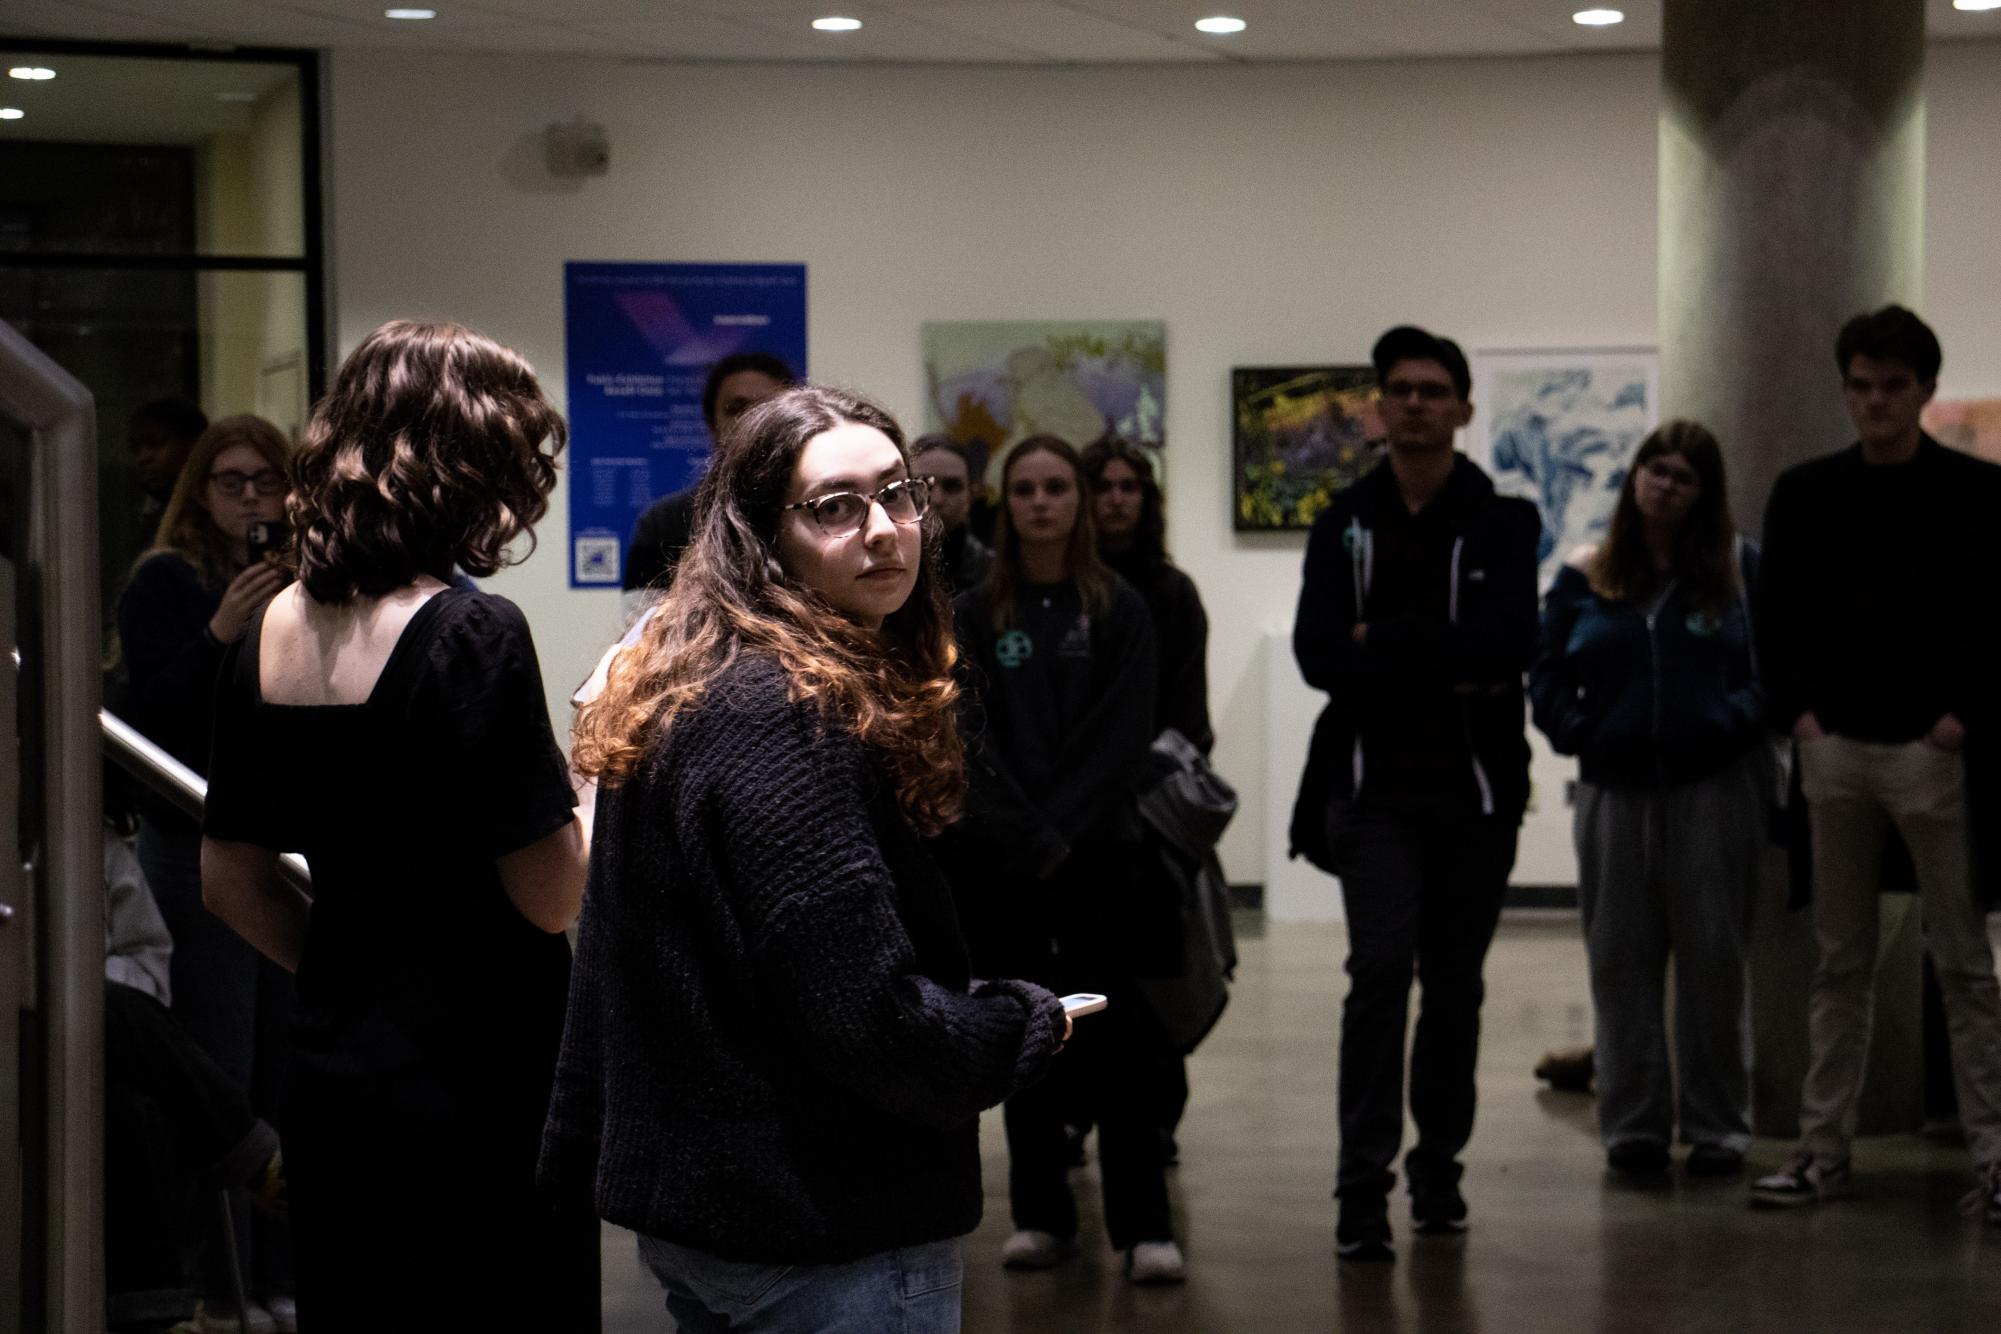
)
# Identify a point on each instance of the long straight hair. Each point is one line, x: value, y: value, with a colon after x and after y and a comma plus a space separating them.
x: 187, y: 529
x: 1149, y: 548
x: 1085, y: 568
x: 892, y: 688
x: 1705, y: 546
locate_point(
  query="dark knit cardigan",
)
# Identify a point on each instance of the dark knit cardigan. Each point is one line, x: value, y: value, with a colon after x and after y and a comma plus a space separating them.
x: 773, y: 1051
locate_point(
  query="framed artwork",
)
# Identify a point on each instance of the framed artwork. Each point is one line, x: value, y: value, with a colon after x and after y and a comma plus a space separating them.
x: 995, y: 383
x: 1971, y: 424
x: 1561, y: 428
x: 1299, y: 436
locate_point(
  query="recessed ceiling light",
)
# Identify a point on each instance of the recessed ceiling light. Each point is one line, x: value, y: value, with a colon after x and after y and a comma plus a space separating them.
x: 1598, y: 18
x: 837, y: 23
x: 411, y: 15
x: 1219, y: 24
x: 31, y: 73
x: 11, y: 113
x: 1976, y: 6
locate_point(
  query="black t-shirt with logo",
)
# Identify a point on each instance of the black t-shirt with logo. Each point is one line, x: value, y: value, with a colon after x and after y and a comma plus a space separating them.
x: 1064, y: 700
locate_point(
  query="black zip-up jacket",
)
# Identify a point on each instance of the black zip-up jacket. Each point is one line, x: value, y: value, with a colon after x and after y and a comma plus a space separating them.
x: 1646, y: 694
x: 1428, y: 709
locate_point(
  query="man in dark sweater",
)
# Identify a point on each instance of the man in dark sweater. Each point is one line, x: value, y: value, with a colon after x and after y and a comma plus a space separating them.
x: 1877, y: 650
x: 736, y: 384
x: 1418, y: 618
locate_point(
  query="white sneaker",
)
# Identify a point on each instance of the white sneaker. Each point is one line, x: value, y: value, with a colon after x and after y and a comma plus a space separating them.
x: 1034, y: 1249
x: 222, y: 1320
x: 1156, y: 1262
x: 1803, y: 1180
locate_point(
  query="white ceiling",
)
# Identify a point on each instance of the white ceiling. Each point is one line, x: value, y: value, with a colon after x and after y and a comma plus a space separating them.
x: 980, y: 31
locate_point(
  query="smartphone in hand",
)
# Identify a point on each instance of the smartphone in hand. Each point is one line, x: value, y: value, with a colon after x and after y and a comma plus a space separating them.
x: 265, y: 537
x: 1083, y: 1002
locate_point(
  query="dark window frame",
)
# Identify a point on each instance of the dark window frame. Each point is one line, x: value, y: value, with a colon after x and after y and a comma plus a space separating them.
x: 312, y: 264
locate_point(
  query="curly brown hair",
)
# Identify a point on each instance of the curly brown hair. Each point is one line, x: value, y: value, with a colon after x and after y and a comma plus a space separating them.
x: 435, y: 449
x: 891, y: 688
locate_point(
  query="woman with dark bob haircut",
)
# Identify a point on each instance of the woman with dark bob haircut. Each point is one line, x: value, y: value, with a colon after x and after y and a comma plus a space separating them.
x: 392, y: 728
x: 776, y: 1057
x: 1646, y: 673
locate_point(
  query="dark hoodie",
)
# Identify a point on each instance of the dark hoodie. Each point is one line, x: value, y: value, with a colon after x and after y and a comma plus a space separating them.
x: 1427, y: 712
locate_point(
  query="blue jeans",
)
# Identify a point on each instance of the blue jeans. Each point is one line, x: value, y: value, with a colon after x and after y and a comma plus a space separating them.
x: 914, y: 1290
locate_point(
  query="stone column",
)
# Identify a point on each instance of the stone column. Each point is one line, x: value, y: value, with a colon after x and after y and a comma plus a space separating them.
x: 1791, y: 197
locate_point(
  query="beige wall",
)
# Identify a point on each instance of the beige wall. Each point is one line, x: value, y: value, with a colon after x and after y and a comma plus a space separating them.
x: 1270, y: 214
x: 253, y: 325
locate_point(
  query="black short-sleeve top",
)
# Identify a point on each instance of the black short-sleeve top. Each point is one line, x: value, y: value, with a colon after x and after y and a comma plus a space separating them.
x: 401, y: 806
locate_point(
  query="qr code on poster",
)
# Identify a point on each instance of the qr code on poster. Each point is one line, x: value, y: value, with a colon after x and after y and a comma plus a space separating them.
x: 596, y: 559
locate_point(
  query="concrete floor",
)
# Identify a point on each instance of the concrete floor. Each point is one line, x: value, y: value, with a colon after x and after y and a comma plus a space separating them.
x: 1555, y: 1246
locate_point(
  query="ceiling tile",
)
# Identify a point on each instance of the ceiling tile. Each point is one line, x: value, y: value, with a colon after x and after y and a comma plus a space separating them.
x: 1552, y: 20
x: 702, y: 37
x: 98, y: 22
x: 1059, y: 32
x: 886, y: 33
x: 1051, y: 31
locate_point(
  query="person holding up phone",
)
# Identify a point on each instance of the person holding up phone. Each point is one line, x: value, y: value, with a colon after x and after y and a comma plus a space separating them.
x: 188, y: 600
x: 776, y: 1055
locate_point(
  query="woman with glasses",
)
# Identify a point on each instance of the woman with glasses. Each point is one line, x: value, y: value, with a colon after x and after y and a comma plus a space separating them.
x: 1063, y: 660
x: 776, y: 1056
x: 392, y: 727
x: 1646, y: 673
x: 188, y: 600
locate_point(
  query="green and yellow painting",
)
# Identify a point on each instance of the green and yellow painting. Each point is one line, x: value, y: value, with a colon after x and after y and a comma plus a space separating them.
x: 998, y: 382
x: 1301, y: 435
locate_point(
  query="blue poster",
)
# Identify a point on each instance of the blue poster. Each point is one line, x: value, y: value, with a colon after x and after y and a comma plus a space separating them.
x: 638, y: 341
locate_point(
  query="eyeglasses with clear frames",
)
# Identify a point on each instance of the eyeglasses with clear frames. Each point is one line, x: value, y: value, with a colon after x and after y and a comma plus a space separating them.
x: 842, y: 513
x: 265, y: 481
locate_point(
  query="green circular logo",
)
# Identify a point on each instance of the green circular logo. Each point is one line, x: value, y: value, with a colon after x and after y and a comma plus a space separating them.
x: 1014, y: 649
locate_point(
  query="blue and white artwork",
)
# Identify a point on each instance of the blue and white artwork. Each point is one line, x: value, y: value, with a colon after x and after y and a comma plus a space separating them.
x: 1561, y: 429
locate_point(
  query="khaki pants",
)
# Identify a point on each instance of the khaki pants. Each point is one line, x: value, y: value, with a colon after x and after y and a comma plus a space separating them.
x: 1855, y: 790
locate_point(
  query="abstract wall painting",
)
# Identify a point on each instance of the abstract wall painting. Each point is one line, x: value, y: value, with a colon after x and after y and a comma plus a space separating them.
x: 1561, y: 428
x: 1299, y: 436
x: 1971, y: 424
x: 994, y: 383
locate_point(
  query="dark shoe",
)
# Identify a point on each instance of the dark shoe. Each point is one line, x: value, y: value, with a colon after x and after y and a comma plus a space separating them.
x: 1437, y: 1211
x: 1640, y: 1159
x: 1801, y: 1181
x: 1714, y: 1160
x: 1364, y: 1231
x: 1568, y: 1071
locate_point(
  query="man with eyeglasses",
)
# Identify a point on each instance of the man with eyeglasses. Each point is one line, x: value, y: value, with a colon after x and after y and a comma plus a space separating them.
x: 949, y: 465
x: 1877, y: 648
x: 1417, y: 616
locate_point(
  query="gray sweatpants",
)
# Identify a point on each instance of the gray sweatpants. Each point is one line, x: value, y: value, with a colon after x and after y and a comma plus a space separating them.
x: 1670, y: 872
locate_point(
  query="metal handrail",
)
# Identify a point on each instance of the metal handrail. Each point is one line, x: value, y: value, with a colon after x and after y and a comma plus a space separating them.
x: 66, y: 870
x: 135, y: 753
